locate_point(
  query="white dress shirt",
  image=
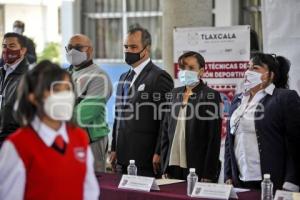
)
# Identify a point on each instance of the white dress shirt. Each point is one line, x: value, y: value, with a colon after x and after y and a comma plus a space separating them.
x: 13, y: 173
x: 10, y: 68
x: 138, y: 69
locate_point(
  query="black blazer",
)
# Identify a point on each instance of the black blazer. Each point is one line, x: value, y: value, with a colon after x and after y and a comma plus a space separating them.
x: 203, y: 136
x: 136, y: 136
x: 278, y: 136
x: 8, y: 90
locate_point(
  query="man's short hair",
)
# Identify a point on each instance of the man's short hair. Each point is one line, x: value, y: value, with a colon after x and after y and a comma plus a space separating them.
x: 20, y: 24
x: 146, y: 37
x: 21, y: 39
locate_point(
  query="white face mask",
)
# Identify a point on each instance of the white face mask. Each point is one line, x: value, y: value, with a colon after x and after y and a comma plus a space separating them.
x: 18, y: 30
x: 188, y: 78
x: 76, y: 57
x: 252, y: 79
x: 59, y: 105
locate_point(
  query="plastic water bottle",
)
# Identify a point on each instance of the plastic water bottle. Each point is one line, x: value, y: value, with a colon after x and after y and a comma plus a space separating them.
x: 132, y: 169
x: 192, y: 179
x: 267, y: 188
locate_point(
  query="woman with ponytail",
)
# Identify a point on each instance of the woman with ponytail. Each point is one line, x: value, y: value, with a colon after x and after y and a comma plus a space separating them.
x: 264, y: 127
x: 47, y: 158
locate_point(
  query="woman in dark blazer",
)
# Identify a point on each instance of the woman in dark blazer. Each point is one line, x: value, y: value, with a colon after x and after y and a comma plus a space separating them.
x: 264, y: 127
x: 191, y: 131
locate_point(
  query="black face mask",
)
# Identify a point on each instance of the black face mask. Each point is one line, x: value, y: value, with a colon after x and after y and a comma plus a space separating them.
x: 131, y: 58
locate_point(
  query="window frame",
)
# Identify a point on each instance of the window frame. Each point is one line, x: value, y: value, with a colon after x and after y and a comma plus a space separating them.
x: 124, y: 16
x: 248, y: 7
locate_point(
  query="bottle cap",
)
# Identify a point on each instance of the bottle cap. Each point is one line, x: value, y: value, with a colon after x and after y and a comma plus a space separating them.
x: 193, y: 170
x: 131, y: 161
x: 267, y: 176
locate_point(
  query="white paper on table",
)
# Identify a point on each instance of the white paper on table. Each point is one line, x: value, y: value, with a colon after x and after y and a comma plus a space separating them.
x: 283, y: 195
x: 296, y: 196
x: 286, y: 195
x: 168, y: 181
x: 214, y: 191
x: 139, y: 183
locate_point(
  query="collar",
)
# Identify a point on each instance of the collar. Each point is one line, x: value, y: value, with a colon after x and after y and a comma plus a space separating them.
x: 12, y: 67
x: 140, y: 67
x: 83, y: 65
x: 199, y: 87
x: 47, y: 134
x: 270, y: 89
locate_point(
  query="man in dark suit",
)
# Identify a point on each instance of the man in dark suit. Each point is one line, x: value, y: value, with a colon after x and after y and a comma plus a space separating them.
x: 15, y: 65
x: 141, y: 94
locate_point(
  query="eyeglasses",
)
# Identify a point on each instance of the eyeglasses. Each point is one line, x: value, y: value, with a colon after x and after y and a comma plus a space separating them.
x: 76, y: 47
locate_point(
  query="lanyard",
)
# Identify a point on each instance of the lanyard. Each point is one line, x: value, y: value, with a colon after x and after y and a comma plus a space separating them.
x: 236, y: 122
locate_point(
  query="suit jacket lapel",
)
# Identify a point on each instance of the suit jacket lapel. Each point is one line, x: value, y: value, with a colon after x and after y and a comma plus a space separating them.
x: 138, y: 81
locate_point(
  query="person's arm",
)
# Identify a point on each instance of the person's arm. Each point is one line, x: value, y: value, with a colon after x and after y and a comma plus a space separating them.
x: 113, y: 155
x: 227, y: 157
x: 89, y: 109
x: 290, y: 182
x: 93, y: 104
x: 211, y: 165
x: 91, y: 186
x: 227, y: 160
x: 12, y: 173
x: 163, y: 85
x: 31, y: 54
x: 292, y: 125
x: 165, y: 134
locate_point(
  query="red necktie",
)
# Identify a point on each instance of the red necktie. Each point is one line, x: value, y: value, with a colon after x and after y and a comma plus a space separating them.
x: 59, y: 142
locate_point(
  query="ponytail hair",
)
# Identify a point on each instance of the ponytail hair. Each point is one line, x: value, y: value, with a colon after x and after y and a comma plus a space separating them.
x: 279, y: 65
x: 36, y: 82
x: 281, y: 80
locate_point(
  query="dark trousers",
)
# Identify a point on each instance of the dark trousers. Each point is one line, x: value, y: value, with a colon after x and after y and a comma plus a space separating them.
x: 177, y: 172
x: 122, y: 169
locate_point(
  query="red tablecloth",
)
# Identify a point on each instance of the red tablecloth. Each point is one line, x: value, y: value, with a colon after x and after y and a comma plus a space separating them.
x: 109, y: 191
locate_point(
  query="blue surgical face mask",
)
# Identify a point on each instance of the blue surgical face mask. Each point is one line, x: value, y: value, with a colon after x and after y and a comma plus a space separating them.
x: 188, y: 78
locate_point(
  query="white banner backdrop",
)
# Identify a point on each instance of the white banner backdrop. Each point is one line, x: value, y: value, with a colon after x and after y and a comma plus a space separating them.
x: 226, y: 51
x: 281, y: 34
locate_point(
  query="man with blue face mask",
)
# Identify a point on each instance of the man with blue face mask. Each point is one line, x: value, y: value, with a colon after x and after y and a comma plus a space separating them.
x: 93, y: 89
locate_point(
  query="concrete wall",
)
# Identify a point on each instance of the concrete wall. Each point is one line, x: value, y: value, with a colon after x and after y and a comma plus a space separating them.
x: 226, y: 12
x: 182, y: 13
x: 40, y: 18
